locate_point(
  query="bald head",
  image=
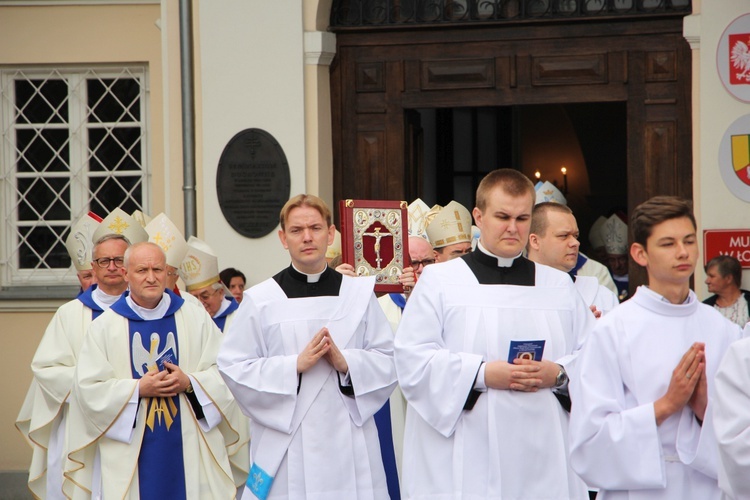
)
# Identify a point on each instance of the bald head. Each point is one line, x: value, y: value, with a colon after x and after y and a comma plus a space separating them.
x: 420, y: 251
x: 146, y: 273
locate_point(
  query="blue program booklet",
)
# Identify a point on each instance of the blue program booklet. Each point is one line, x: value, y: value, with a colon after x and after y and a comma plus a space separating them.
x: 168, y: 356
x: 526, y: 349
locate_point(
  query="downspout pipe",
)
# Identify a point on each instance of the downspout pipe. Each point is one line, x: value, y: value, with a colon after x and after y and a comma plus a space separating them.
x: 188, y: 118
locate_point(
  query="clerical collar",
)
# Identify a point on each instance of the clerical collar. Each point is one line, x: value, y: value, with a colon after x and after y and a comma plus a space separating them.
x: 102, y: 299
x: 308, y: 278
x: 224, y: 306
x: 157, y: 312
x: 501, y: 261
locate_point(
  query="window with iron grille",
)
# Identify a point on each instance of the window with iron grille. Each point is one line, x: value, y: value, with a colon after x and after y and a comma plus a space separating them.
x: 73, y: 140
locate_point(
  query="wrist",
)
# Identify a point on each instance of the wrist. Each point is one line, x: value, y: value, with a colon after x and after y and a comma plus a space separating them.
x: 561, y: 379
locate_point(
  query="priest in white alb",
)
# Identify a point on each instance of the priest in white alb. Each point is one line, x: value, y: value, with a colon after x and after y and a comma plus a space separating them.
x: 149, y: 413
x: 483, y: 354
x: 309, y: 359
x: 642, y: 424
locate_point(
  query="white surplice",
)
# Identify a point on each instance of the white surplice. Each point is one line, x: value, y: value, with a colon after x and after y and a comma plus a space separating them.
x: 732, y: 420
x: 510, y: 445
x: 333, y: 450
x: 626, y: 365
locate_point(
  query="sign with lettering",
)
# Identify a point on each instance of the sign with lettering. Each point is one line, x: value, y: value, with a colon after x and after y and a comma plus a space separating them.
x: 734, y: 242
x: 252, y: 182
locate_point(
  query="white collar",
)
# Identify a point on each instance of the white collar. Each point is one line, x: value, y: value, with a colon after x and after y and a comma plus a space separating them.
x: 501, y: 261
x: 103, y: 299
x: 157, y: 312
x: 312, y: 278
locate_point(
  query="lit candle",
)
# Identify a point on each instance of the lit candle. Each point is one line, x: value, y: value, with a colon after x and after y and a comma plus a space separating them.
x: 538, y: 174
x: 565, y: 179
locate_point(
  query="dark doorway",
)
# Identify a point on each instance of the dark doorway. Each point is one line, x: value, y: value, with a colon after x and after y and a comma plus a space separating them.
x: 460, y: 145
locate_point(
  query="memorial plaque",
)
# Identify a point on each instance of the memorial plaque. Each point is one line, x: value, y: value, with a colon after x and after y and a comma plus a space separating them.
x: 252, y: 182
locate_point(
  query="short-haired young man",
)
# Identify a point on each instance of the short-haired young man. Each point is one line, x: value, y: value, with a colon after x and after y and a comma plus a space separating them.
x: 553, y: 241
x: 641, y: 419
x: 477, y: 425
x: 309, y: 359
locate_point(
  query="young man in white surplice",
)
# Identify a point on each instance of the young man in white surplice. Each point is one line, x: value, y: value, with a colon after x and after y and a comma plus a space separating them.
x: 642, y: 418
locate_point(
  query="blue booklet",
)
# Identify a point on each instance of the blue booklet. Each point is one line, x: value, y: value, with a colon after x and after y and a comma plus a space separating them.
x: 168, y: 356
x: 526, y: 349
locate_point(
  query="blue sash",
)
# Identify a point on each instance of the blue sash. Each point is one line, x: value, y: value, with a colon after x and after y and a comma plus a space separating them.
x: 221, y: 320
x: 161, y: 469
x: 385, y: 436
x: 398, y: 299
x: 88, y: 301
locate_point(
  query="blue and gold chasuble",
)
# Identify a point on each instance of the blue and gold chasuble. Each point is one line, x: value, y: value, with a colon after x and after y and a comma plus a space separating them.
x: 88, y: 301
x: 161, y: 469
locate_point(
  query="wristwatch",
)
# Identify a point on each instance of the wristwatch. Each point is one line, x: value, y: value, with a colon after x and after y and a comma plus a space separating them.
x: 189, y: 388
x: 562, y: 378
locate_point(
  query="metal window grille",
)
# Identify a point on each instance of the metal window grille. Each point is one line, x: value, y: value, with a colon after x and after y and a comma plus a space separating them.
x: 73, y: 140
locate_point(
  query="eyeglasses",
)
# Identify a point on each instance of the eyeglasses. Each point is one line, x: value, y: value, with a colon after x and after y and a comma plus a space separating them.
x: 204, y: 296
x: 424, y: 262
x: 104, y: 261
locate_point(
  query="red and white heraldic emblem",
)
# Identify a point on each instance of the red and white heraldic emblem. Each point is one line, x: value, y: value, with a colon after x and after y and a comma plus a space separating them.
x: 739, y: 59
x: 733, y: 58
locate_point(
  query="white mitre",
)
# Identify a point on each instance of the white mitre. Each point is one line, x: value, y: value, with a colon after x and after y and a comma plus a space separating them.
x: 418, y: 211
x: 80, y: 242
x: 596, y: 233
x: 164, y: 233
x: 200, y: 267
x: 450, y: 225
x: 334, y: 249
x: 616, y: 236
x: 546, y: 191
x: 118, y: 222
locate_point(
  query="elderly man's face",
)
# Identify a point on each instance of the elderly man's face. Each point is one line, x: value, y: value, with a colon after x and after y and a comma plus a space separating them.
x: 210, y: 298
x: 451, y: 252
x: 146, y: 274
x: 420, y: 254
x: 109, y: 276
x: 86, y: 278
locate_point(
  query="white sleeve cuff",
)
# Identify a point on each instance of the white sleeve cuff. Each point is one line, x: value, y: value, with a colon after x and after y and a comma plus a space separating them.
x: 122, y: 429
x: 480, y: 384
x: 211, y: 414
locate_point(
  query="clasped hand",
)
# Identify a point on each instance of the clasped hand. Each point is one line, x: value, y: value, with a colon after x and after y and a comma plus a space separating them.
x: 163, y: 384
x: 321, y: 347
x: 523, y: 375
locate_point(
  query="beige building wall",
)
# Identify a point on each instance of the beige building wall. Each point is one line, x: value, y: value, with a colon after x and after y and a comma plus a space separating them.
x: 252, y: 75
x: 72, y: 35
x: 714, y: 110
